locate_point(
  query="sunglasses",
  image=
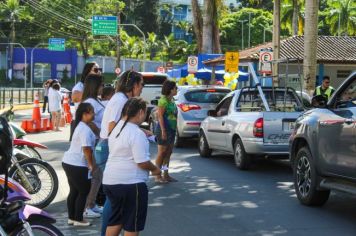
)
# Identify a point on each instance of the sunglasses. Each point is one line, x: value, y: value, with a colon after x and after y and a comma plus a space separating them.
x: 96, y: 70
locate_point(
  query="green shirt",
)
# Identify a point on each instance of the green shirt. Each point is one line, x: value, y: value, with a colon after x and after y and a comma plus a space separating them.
x: 170, y: 112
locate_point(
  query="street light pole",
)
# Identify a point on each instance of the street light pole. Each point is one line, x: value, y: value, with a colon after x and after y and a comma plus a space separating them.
x: 242, y: 33
x: 249, y: 29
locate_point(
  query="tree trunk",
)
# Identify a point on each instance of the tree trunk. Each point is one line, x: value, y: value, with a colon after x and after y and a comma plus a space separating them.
x: 216, y: 31
x: 310, y: 44
x: 208, y: 27
x: 276, y: 39
x: 197, y: 24
x: 295, y: 17
x: 84, y: 47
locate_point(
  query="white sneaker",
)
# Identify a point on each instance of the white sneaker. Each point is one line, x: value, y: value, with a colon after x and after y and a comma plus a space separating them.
x: 81, y: 223
x: 98, y: 209
x: 89, y: 213
x: 70, y: 222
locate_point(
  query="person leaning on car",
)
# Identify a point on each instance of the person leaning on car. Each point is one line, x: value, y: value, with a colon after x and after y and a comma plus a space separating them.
x: 324, y: 89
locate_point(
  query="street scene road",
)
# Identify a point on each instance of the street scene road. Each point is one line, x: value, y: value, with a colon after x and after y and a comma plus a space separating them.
x: 213, y: 197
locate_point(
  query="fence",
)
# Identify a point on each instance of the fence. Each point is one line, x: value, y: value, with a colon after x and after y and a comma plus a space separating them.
x: 19, y: 96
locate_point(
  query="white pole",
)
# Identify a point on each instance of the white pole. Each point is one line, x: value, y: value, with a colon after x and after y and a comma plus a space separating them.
x: 249, y: 29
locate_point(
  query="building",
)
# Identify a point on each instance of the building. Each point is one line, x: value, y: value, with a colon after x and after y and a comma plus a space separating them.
x: 181, y: 10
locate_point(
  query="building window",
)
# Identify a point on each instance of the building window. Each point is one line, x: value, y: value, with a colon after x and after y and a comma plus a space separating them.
x: 41, y: 72
x: 64, y: 71
x: 343, y: 73
x: 19, y: 71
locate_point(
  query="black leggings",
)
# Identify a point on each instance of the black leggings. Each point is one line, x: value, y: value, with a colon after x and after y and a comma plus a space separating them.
x: 79, y: 187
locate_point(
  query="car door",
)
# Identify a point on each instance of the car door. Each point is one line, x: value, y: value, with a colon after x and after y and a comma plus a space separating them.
x: 337, y: 134
x: 217, y: 125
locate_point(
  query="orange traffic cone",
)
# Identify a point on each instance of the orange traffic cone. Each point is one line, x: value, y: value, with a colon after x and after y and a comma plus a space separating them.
x: 36, y: 114
x: 66, y: 108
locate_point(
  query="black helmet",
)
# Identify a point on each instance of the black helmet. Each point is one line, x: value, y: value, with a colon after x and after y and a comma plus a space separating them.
x: 5, y: 145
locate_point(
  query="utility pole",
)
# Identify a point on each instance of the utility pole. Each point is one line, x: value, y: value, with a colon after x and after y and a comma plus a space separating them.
x: 276, y: 39
x: 118, y: 37
x: 338, y: 29
x: 249, y: 29
x: 242, y: 33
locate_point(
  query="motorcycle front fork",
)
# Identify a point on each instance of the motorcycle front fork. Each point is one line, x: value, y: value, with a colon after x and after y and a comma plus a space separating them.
x: 25, y: 225
x: 25, y: 181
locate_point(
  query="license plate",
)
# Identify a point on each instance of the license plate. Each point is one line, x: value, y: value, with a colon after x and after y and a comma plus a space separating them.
x: 288, y: 126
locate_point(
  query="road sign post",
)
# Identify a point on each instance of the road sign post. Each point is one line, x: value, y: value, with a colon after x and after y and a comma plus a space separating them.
x: 104, y: 25
x: 232, y: 62
x: 192, y: 64
x: 56, y: 44
x: 265, y: 64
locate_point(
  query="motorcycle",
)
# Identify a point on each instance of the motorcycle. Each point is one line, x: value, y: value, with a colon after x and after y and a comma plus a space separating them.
x: 16, y: 218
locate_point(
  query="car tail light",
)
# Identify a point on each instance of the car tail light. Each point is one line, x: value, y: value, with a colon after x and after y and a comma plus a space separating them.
x: 188, y: 107
x: 258, y: 128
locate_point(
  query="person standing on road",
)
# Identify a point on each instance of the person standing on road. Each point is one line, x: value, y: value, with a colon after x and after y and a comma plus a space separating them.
x: 92, y: 88
x: 127, y: 170
x: 324, y: 89
x: 77, y: 164
x: 45, y: 95
x: 166, y: 129
x: 55, y: 105
x: 129, y: 85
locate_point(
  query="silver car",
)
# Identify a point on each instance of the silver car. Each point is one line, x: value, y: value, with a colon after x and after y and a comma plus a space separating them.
x: 193, y: 103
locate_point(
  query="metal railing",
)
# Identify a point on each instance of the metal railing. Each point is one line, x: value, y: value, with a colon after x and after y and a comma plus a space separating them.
x: 19, y: 96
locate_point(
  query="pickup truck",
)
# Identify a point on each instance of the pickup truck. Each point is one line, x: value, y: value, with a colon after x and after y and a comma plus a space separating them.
x: 323, y: 146
x: 248, y: 124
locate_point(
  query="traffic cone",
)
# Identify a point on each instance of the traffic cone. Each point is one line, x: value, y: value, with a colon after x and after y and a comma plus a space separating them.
x: 36, y: 113
x: 66, y: 108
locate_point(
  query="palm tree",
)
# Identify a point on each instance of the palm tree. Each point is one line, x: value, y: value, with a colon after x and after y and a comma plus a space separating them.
x: 197, y: 24
x: 11, y: 11
x: 342, y: 17
x: 292, y: 16
x: 310, y: 44
x: 211, y: 34
x: 152, y: 44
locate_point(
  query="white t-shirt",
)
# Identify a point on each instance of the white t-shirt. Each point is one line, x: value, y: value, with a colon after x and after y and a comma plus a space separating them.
x: 99, y: 108
x: 112, y: 113
x: 126, y: 151
x: 83, y: 136
x: 80, y: 88
x: 54, y: 100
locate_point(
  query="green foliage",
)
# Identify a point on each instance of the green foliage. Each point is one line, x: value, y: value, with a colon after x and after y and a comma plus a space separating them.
x: 345, y: 12
x: 258, y: 4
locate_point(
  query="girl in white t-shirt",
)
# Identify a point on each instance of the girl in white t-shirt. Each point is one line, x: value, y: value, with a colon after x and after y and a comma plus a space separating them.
x: 78, y: 163
x: 127, y: 170
x: 54, y: 105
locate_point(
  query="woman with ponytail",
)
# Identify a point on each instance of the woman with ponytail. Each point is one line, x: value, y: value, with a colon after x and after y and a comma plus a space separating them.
x: 127, y: 170
x: 78, y: 163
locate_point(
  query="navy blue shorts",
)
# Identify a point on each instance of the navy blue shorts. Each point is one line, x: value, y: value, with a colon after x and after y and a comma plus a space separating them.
x: 128, y: 205
x: 171, y: 135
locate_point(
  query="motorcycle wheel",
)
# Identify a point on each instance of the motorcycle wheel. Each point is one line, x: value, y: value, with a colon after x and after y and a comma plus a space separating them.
x: 39, y: 227
x: 43, y: 179
x: 31, y: 151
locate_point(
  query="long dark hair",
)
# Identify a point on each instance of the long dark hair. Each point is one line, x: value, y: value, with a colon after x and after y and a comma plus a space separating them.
x: 127, y: 81
x: 130, y: 110
x: 86, y: 70
x: 82, y: 108
x: 91, y: 86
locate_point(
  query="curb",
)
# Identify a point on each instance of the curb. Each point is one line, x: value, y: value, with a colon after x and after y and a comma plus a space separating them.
x: 19, y: 107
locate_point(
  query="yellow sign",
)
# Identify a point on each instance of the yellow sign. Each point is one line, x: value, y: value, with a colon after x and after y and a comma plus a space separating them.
x: 232, y: 62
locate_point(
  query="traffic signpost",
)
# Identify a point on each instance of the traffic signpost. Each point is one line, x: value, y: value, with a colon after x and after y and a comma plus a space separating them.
x: 104, y: 25
x: 265, y: 64
x: 192, y: 64
x: 232, y: 62
x: 56, y: 44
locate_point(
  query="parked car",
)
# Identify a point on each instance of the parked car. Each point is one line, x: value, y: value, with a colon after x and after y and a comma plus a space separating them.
x: 193, y: 103
x: 244, y: 125
x: 323, y: 146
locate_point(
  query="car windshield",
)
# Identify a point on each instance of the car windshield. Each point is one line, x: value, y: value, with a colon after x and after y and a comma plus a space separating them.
x: 206, y: 95
x: 154, y: 79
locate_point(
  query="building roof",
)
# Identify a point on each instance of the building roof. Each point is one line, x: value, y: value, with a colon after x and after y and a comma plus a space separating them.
x: 331, y: 50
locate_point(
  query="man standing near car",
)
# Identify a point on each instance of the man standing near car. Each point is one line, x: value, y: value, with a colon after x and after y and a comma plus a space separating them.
x: 324, y: 89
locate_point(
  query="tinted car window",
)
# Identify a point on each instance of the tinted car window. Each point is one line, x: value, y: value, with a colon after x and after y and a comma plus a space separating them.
x: 206, y: 96
x: 154, y: 79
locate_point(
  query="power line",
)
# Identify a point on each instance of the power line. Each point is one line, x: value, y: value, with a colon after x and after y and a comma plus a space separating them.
x: 53, y: 30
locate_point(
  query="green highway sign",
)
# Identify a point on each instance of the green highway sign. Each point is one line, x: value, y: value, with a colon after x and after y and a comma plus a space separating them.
x: 104, y: 25
x: 56, y: 44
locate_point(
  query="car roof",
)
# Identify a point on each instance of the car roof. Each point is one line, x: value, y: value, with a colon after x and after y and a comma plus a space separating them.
x: 153, y: 74
x: 200, y: 87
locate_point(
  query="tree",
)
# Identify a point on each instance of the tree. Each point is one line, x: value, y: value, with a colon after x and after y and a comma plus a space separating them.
x: 197, y: 24
x: 343, y: 14
x: 211, y: 34
x: 310, y: 44
x: 152, y: 44
x: 258, y: 4
x: 146, y: 15
x: 293, y: 16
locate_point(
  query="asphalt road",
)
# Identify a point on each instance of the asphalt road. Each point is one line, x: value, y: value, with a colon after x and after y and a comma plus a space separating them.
x: 212, y: 198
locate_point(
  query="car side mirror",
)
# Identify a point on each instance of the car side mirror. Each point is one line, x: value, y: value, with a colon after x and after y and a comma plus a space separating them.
x: 319, y: 101
x: 154, y: 102
x: 212, y: 113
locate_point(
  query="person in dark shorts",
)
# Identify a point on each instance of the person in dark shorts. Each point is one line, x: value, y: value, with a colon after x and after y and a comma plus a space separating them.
x: 126, y: 171
x: 166, y: 129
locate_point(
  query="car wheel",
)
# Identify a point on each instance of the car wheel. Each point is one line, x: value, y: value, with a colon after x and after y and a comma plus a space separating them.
x: 305, y: 180
x: 178, y: 141
x: 242, y: 159
x: 204, y: 149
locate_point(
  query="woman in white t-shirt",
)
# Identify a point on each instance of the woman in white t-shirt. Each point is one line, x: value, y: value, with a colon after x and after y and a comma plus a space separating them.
x: 126, y: 171
x: 77, y: 164
x: 54, y: 105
